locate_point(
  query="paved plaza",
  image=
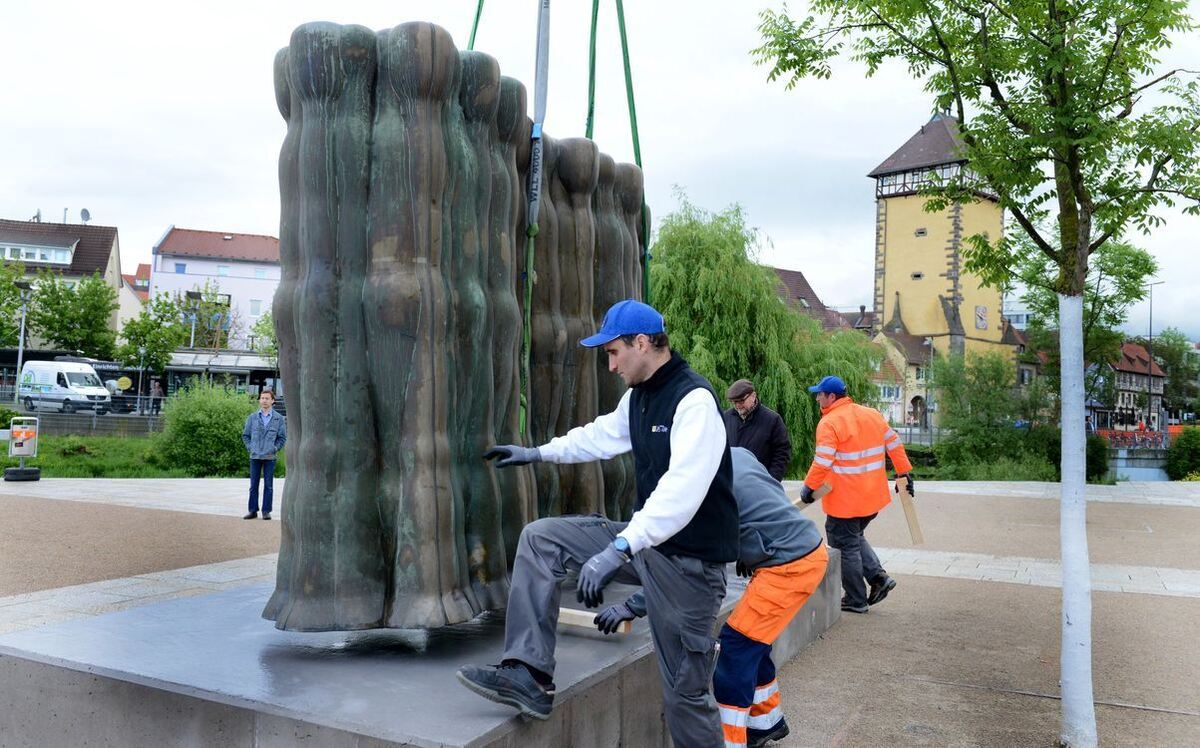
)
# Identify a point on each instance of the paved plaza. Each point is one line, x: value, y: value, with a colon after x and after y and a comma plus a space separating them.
x: 963, y: 653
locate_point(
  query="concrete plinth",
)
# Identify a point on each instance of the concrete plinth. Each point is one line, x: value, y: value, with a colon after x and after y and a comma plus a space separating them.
x: 209, y: 670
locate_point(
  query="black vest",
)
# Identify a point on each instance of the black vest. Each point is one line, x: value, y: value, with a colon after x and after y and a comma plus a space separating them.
x: 711, y: 535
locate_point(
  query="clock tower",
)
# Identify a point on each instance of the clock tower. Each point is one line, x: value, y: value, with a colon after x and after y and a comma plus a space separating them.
x: 921, y: 288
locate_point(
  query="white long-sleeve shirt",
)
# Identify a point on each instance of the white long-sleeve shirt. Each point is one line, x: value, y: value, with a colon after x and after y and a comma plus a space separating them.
x: 697, y: 445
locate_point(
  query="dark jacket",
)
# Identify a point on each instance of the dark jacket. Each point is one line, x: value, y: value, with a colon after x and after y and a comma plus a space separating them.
x: 712, y: 534
x: 764, y: 434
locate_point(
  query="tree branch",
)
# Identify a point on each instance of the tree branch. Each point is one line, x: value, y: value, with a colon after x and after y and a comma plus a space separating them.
x: 989, y: 80
x: 1015, y: 22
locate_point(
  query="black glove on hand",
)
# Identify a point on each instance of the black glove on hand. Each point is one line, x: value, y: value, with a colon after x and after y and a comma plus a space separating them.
x: 597, y: 572
x: 611, y: 618
x: 806, y: 495
x: 908, y: 484
x: 742, y: 571
x: 513, y: 454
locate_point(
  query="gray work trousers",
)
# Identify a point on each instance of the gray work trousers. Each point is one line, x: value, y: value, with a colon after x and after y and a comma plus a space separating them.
x: 683, y: 595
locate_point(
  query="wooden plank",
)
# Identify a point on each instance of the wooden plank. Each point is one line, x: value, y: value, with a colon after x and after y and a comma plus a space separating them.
x: 586, y: 619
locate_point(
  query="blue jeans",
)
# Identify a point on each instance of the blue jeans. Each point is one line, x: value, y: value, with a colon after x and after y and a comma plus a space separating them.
x: 859, y: 561
x: 265, y: 469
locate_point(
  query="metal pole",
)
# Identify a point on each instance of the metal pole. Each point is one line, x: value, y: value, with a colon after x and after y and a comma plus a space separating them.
x: 25, y: 293
x: 1150, y: 363
x: 20, y: 358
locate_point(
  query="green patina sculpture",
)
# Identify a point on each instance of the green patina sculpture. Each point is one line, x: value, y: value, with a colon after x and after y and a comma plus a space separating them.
x: 399, y: 315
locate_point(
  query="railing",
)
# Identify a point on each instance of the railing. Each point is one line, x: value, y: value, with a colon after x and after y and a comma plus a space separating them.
x: 90, y: 424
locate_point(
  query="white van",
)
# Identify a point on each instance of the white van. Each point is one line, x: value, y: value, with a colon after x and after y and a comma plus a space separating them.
x: 63, y: 385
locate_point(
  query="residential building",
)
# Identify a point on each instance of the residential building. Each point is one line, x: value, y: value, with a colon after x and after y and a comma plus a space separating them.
x: 1137, y: 388
x: 794, y: 288
x: 1015, y: 310
x: 139, y: 282
x: 244, y: 268
x: 72, y: 251
x: 919, y: 255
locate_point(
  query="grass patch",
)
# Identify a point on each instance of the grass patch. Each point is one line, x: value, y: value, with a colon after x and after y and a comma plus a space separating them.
x: 111, y: 457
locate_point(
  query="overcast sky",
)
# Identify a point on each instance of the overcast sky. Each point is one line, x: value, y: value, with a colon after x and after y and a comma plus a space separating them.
x: 153, y: 114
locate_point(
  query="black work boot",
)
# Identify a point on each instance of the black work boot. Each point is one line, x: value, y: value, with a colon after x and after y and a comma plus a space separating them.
x: 759, y: 738
x: 853, y: 608
x: 880, y: 589
x: 510, y: 684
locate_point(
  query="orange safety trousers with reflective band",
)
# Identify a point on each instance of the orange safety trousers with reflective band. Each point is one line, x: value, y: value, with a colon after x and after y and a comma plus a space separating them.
x: 852, y: 442
x: 773, y: 597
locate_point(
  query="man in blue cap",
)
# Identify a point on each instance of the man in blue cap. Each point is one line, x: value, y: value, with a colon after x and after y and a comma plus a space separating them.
x: 851, y: 442
x: 683, y: 532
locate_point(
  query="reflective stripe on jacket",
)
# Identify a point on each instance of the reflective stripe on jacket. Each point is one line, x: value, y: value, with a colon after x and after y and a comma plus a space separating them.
x: 852, y: 441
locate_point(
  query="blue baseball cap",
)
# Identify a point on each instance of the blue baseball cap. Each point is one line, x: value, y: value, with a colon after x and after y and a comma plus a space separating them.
x: 628, y: 317
x: 830, y: 385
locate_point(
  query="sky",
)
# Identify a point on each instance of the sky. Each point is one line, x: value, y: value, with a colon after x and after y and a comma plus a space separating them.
x: 153, y: 114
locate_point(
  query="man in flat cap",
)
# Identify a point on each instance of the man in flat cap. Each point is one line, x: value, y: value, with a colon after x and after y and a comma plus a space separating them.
x: 755, y: 427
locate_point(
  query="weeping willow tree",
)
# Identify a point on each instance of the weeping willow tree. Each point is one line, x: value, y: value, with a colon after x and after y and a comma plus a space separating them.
x: 725, y: 316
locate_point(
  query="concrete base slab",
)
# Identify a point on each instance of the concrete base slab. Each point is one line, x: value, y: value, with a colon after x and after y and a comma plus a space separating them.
x: 209, y: 670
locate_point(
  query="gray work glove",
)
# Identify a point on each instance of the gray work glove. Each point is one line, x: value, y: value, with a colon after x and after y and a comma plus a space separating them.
x: 908, y: 479
x: 611, y: 618
x: 742, y: 569
x: 513, y: 454
x: 806, y: 495
x: 598, y: 572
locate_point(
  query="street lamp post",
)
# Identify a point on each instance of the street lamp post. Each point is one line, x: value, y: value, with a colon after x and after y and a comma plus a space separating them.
x: 26, y: 292
x: 1150, y: 363
x: 141, y: 367
x: 928, y: 371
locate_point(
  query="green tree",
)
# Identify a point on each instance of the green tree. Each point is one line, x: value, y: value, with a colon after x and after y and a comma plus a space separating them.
x: 1171, y: 351
x: 75, y: 318
x: 1067, y: 120
x: 209, y: 316
x: 725, y: 315
x: 10, y: 303
x: 158, y: 330
x: 1116, y: 280
x: 263, y: 340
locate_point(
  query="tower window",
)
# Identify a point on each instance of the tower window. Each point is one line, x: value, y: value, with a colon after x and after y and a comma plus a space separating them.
x: 920, y: 232
x: 917, y: 276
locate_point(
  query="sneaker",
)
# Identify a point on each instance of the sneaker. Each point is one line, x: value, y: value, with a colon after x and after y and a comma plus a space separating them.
x: 509, y: 684
x: 778, y: 732
x: 266, y: 515
x: 251, y: 515
x: 851, y: 607
x: 881, y: 590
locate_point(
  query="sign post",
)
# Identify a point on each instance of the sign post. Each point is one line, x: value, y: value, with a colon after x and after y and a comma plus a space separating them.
x: 22, y: 443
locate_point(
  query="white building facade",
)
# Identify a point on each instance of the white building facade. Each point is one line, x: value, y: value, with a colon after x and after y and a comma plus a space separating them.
x: 242, y: 267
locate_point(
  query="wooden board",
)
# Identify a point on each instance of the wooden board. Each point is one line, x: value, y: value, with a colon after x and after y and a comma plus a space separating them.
x: 586, y: 619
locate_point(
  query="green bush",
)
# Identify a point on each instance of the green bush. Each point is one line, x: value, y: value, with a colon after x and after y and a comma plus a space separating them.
x: 1097, y: 458
x: 1030, y: 467
x: 1193, y: 477
x: 203, y: 431
x: 72, y: 445
x: 6, y: 416
x: 1183, y: 457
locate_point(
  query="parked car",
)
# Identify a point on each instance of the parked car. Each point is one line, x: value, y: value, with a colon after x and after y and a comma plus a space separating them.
x: 66, y: 386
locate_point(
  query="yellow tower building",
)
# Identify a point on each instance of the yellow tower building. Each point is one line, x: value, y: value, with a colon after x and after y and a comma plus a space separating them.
x: 921, y: 288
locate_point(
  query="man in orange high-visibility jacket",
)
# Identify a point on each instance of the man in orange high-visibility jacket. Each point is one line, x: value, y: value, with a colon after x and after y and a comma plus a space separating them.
x: 851, y: 442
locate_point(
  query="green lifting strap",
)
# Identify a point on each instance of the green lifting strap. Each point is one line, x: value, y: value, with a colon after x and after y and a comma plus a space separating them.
x: 591, y: 110
x: 637, y: 149
x: 475, y: 26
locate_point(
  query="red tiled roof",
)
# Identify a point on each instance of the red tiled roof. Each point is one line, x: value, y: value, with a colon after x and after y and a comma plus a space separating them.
x: 93, y: 244
x: 143, y: 272
x: 1135, y: 360
x: 913, y: 347
x: 887, y: 373
x: 936, y: 143
x: 131, y: 281
x: 218, y: 245
x: 794, y: 288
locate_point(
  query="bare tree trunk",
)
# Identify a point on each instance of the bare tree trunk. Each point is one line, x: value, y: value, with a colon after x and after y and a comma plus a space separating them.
x: 1078, y: 707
